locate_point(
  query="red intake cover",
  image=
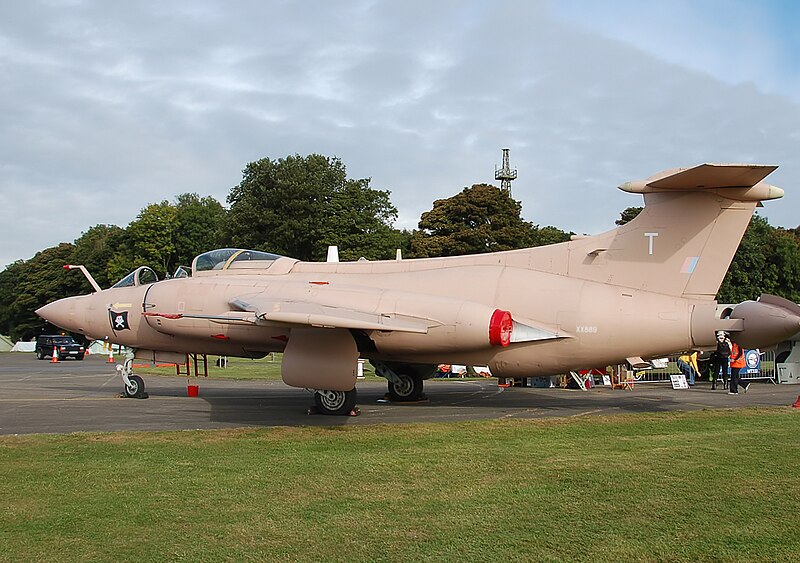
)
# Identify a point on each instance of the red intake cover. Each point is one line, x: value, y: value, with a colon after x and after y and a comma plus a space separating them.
x: 500, y: 327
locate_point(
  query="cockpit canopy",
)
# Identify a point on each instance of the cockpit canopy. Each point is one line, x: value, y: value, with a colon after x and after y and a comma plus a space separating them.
x: 220, y: 259
x: 140, y: 276
x: 225, y: 258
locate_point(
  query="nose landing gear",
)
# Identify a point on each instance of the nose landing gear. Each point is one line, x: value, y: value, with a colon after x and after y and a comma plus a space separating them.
x: 134, y: 385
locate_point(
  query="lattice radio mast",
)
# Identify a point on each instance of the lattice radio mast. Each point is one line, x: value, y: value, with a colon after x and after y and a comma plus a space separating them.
x: 505, y: 174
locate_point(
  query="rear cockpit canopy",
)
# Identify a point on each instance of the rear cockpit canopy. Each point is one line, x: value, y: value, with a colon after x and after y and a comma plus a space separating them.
x: 227, y: 258
x: 140, y: 276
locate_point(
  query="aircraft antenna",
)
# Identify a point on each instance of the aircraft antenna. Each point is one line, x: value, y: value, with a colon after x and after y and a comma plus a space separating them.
x: 505, y: 174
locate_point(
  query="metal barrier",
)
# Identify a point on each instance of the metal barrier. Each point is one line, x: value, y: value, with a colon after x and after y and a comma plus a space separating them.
x: 657, y: 374
x: 765, y: 370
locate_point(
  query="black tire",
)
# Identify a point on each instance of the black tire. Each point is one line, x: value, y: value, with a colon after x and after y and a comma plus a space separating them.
x: 136, y: 389
x: 79, y: 358
x: 40, y: 355
x: 409, y: 388
x: 337, y: 403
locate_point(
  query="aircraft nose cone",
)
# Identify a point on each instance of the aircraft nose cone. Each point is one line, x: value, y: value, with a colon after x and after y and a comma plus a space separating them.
x: 60, y: 313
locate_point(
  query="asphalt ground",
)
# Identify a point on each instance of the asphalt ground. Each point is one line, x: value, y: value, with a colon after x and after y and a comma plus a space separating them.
x: 71, y: 396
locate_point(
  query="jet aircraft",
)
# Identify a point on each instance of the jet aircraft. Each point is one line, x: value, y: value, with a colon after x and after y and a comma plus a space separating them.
x: 643, y: 290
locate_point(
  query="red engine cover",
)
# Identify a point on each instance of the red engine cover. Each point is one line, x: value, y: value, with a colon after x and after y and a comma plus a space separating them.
x: 500, y: 327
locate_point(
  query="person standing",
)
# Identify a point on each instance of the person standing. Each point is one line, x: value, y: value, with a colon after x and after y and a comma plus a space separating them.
x: 719, y: 359
x: 737, y: 363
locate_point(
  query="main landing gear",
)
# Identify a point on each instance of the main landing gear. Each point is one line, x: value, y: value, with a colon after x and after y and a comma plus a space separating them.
x: 337, y: 403
x: 134, y: 385
x: 405, y: 382
x: 405, y: 388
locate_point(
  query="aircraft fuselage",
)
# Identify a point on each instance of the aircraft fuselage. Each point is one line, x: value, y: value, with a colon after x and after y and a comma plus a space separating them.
x: 596, y: 324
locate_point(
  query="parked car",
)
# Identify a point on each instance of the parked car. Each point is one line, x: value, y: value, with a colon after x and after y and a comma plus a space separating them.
x: 67, y: 347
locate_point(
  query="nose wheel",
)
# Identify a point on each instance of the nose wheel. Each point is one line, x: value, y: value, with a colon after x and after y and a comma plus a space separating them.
x: 135, y: 390
x: 133, y: 384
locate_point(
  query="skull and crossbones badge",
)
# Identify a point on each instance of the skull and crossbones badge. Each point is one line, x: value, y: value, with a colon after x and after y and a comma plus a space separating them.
x: 119, y: 321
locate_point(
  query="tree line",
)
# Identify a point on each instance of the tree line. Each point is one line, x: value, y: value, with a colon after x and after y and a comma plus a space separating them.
x: 299, y: 205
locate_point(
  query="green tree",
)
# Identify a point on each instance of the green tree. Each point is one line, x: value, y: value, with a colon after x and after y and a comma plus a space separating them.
x: 782, y: 272
x: 767, y: 261
x: 482, y: 218
x: 163, y: 236
x: 9, y: 284
x: 297, y: 206
x: 27, y: 285
x: 152, y: 237
x: 359, y: 222
x: 96, y: 248
x: 745, y: 277
x: 541, y: 236
x: 403, y: 239
x: 166, y: 235
x: 628, y: 215
x: 199, y: 227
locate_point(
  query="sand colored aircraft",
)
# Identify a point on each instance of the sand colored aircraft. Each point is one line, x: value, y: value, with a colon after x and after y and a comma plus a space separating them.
x: 645, y: 289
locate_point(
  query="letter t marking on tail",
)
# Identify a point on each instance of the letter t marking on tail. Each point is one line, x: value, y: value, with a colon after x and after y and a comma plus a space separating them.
x: 650, y: 236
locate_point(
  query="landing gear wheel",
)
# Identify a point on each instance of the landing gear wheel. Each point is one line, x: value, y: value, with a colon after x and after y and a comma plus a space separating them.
x: 408, y: 388
x: 335, y: 402
x: 136, y: 389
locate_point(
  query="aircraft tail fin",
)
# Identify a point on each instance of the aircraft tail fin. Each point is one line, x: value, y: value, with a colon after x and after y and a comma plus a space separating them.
x: 684, y: 240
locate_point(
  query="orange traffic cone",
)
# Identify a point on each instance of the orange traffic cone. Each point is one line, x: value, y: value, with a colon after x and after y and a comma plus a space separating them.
x: 797, y: 403
x: 55, y: 355
x: 110, y: 355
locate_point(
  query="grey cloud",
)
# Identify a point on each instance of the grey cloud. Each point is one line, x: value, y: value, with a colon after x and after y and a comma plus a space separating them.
x: 121, y: 105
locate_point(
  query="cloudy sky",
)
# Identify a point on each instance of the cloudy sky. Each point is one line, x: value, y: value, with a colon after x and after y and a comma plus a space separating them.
x: 108, y: 106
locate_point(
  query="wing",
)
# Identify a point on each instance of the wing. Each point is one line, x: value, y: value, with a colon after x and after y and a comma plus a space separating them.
x: 304, y: 313
x: 314, y: 314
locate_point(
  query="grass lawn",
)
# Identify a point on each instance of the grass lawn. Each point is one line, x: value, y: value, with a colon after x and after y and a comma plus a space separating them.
x: 709, y: 485
x: 268, y: 368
